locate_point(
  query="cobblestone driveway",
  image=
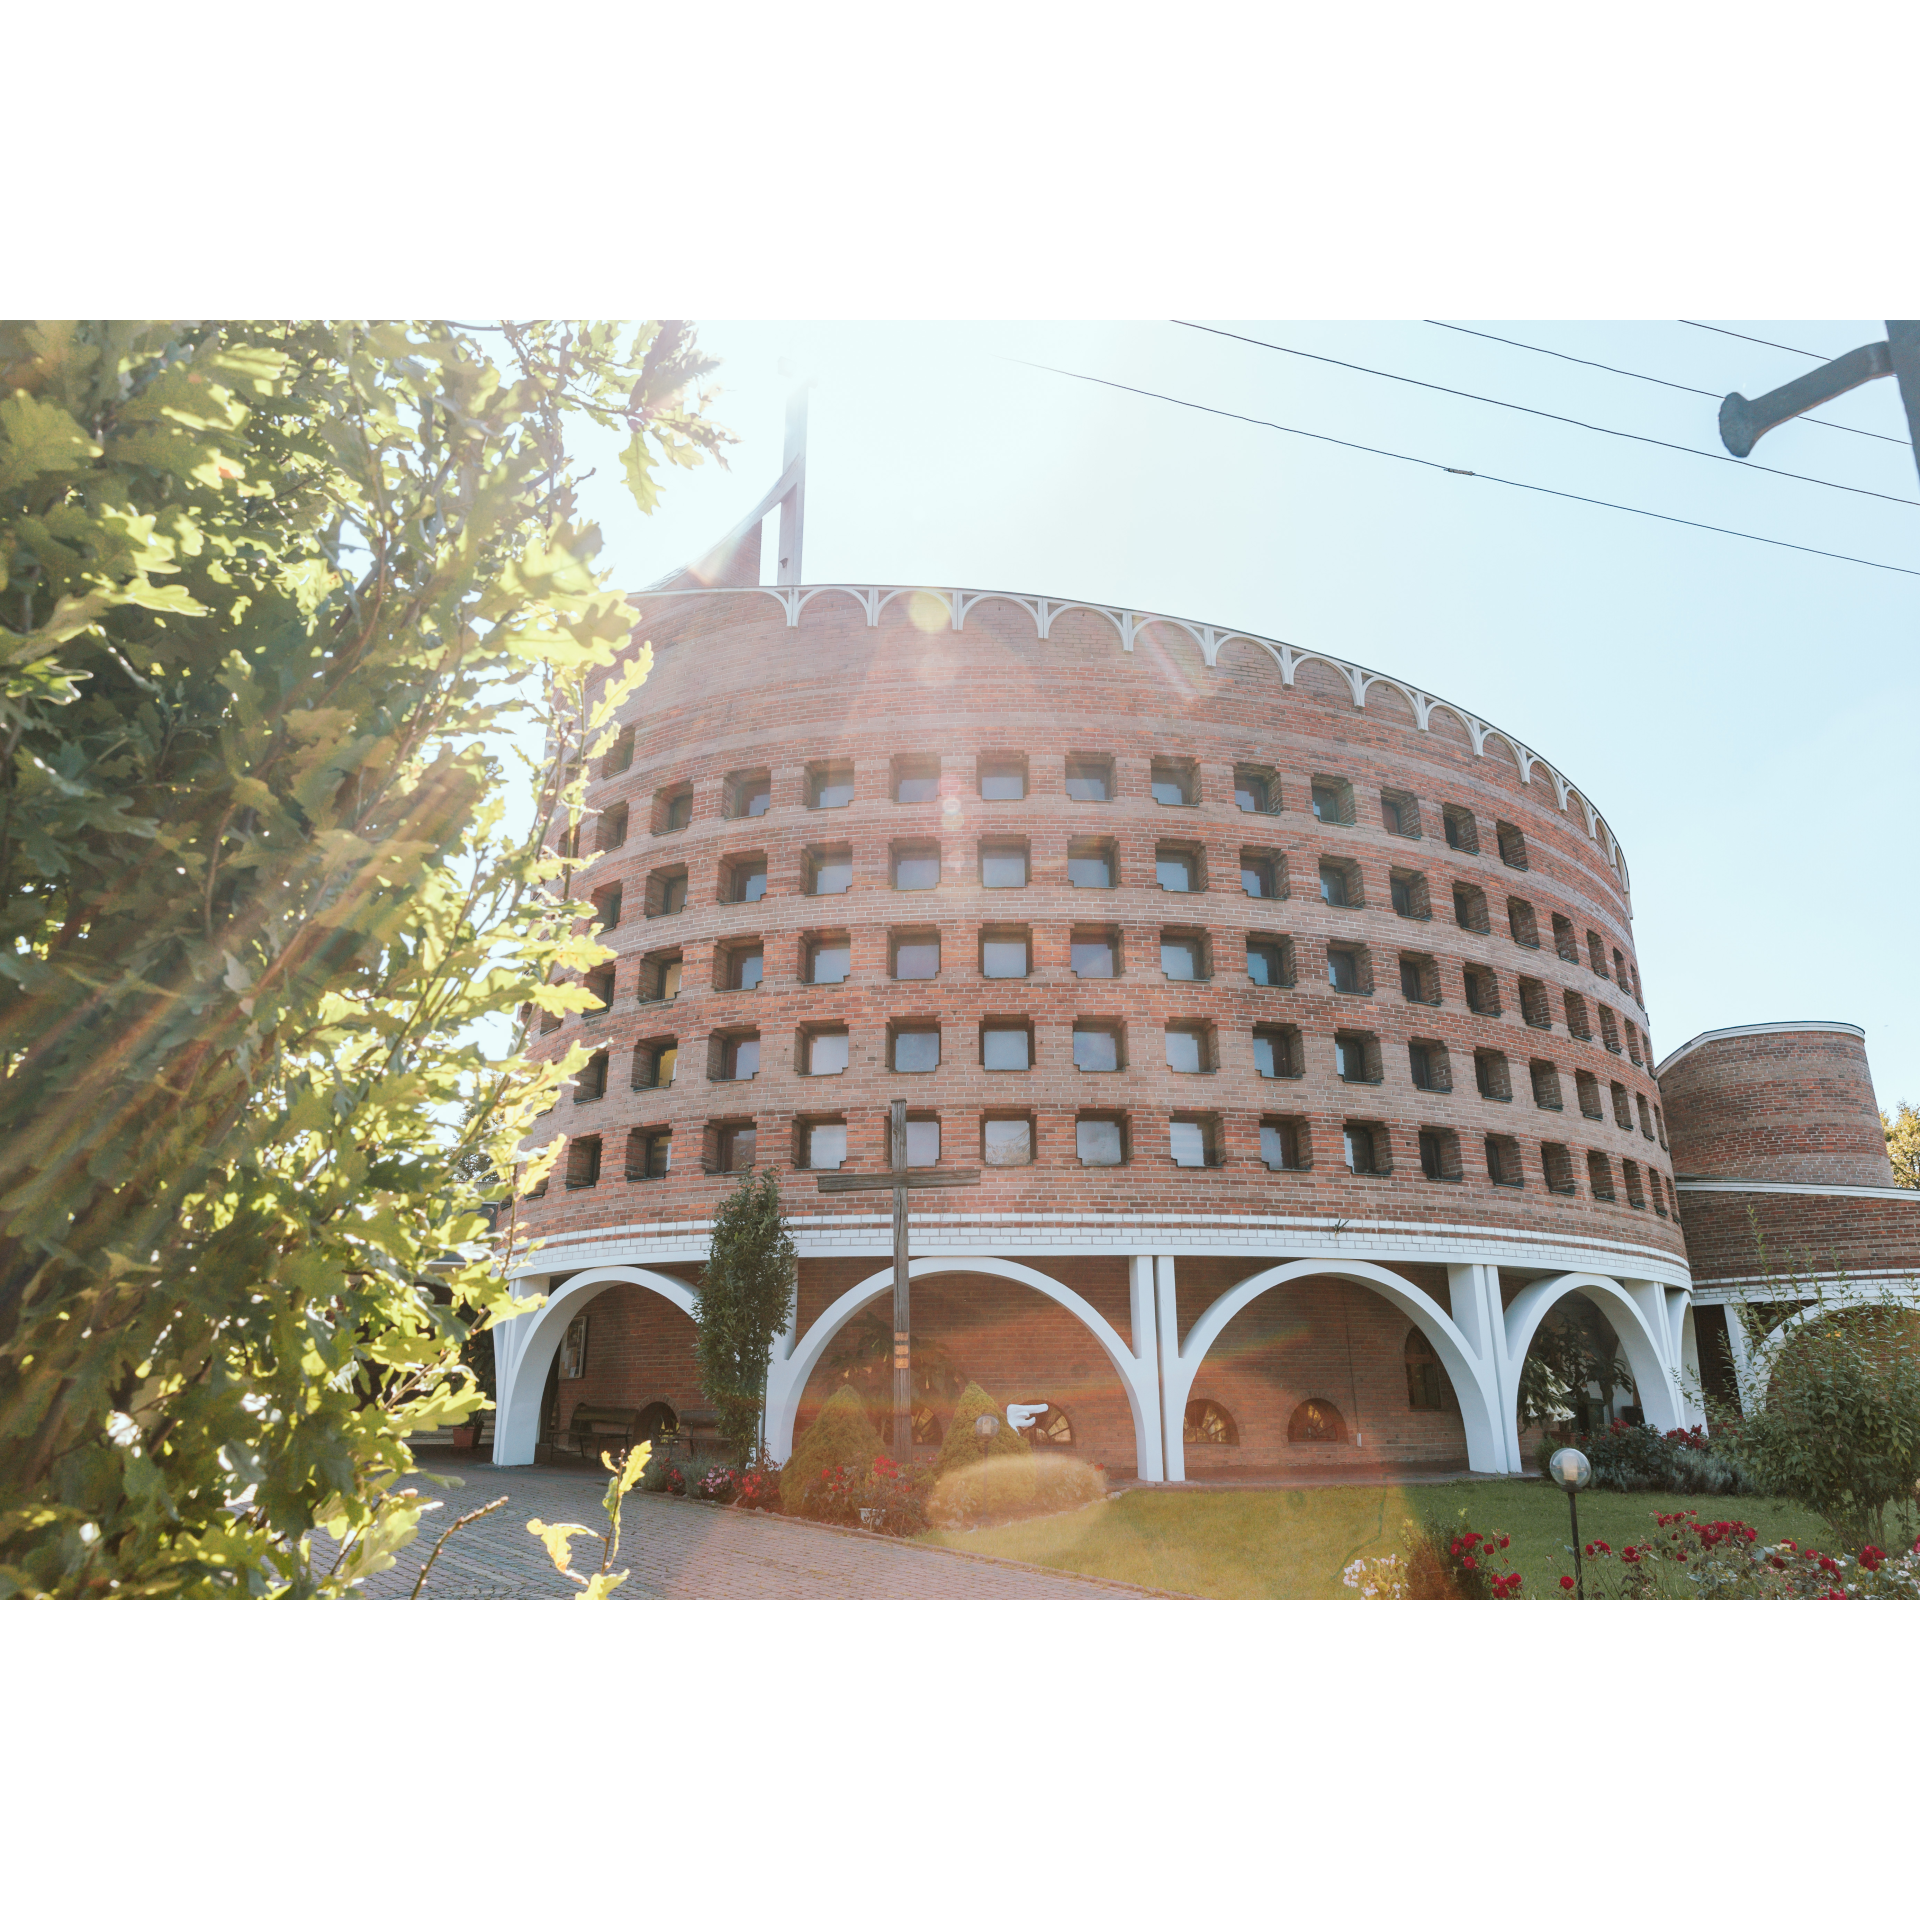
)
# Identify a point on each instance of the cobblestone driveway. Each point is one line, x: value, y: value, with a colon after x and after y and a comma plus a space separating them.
x: 686, y: 1550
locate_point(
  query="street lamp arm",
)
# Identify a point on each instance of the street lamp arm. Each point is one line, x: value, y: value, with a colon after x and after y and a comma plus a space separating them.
x: 1743, y: 421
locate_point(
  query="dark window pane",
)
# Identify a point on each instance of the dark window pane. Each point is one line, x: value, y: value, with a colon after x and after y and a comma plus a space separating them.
x: 1342, y: 975
x: 744, y: 1059
x: 747, y: 969
x: 1170, y: 793
x: 1253, y: 880
x: 1263, y: 966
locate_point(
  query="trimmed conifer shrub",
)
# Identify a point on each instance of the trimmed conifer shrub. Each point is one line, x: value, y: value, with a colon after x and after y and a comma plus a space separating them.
x: 962, y: 1448
x: 841, y: 1436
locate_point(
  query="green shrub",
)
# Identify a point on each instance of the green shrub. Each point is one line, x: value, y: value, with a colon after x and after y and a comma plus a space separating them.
x: 962, y: 1448
x: 1008, y: 1487
x: 842, y: 1436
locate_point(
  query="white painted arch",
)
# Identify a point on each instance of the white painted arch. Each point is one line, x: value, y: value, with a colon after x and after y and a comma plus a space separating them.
x: 520, y: 1364
x: 1473, y: 1378
x: 1754, y: 1369
x: 1645, y: 1338
x: 788, y: 1376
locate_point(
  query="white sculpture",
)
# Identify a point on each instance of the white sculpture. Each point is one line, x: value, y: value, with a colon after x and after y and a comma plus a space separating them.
x: 1022, y: 1414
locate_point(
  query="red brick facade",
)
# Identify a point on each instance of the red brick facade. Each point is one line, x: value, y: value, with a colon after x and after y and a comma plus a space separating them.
x: 1524, y: 985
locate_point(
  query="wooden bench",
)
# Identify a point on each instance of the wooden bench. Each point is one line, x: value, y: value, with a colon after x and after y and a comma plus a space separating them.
x: 593, y: 1430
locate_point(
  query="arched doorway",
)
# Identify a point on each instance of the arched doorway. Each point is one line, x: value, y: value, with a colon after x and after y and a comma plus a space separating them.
x: 1130, y: 1381
x: 1627, y: 1343
x: 1333, y: 1331
x: 526, y: 1349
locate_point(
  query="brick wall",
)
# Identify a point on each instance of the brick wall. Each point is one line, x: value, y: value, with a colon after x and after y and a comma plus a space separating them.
x: 1811, y: 1233
x: 734, y: 689
x: 1796, y: 1105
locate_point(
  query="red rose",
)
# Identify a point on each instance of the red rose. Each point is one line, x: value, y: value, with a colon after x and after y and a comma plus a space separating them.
x: 1566, y: 1580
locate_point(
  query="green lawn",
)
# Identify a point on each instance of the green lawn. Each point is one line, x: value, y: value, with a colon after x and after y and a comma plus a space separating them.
x: 1291, y: 1544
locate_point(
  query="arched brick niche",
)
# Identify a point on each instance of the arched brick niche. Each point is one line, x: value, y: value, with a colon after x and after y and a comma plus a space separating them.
x: 1366, y: 956
x: 1785, y: 1101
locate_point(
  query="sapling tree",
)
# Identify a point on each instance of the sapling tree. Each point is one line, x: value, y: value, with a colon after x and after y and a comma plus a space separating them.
x: 744, y: 1304
x: 276, y: 601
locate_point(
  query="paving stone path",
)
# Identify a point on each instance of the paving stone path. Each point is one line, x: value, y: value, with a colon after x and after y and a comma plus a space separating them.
x: 686, y: 1550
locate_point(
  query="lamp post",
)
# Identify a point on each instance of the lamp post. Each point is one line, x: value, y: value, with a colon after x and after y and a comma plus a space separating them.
x: 1570, y: 1468
x: 984, y: 1429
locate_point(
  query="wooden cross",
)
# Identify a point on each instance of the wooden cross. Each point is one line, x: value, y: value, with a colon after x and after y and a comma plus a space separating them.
x: 902, y: 1181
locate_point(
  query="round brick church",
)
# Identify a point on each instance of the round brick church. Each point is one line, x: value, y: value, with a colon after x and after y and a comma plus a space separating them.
x: 1289, y: 1012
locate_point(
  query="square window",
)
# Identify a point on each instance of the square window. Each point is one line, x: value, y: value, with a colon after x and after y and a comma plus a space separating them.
x: 740, y: 966
x: 1356, y: 1057
x: 1463, y: 835
x: 649, y: 1154
x: 655, y: 1064
x: 1174, y: 782
x: 923, y: 1140
x: 1278, y: 1053
x: 829, y: 961
x: 1094, y: 956
x: 1283, y: 1144
x: 826, y: 1144
x: 660, y: 976
x: 1003, y: 864
x: 583, y: 1162
x: 1006, y: 1142
x: 737, y: 1145
x: 1439, y: 1153
x: 1003, y: 956
x: 1003, y: 777
x: 740, y: 1056
x: 1362, y: 1147
x: 1006, y: 1049
x: 1090, y: 863
x: 1428, y: 1066
x: 1270, y: 963
x: 613, y: 828
x: 1100, y: 1140
x: 1182, y: 957
x: 827, y: 1051
x: 915, y: 868
x: 1089, y: 777
x: 672, y: 809
x: 1187, y: 1049
x: 829, y: 870
x: 1096, y: 1049
x: 668, y: 892
x: 618, y: 757
x: 830, y: 784
x: 916, y: 1049
x: 1332, y: 801
x: 1255, y: 789
x: 916, y: 780
x: 1262, y: 875
x: 1349, y: 970
x: 1336, y: 884
x: 1188, y: 1141
x: 1400, y: 813
x: 1175, y: 869
x: 916, y: 956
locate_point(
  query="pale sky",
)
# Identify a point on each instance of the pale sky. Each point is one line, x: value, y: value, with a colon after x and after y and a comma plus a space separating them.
x: 1743, y: 715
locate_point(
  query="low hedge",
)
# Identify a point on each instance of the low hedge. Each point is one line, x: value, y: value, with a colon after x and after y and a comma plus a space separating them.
x: 989, y: 1492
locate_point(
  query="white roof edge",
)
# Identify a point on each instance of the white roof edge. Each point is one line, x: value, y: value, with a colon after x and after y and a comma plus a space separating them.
x: 1764, y: 1026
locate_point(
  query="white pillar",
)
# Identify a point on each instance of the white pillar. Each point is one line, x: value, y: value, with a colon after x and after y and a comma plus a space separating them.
x: 1690, y: 1365
x: 1473, y: 1291
x: 1173, y: 1401
x: 1149, y: 1440
x: 1742, y: 1359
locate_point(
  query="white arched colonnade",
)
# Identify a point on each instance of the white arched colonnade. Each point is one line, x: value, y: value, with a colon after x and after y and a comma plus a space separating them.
x: 1480, y: 1342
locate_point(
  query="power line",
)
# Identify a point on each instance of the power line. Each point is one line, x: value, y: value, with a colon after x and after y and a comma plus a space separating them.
x: 1414, y: 460
x: 1567, y: 420
x: 1805, y: 352
x: 1892, y: 440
